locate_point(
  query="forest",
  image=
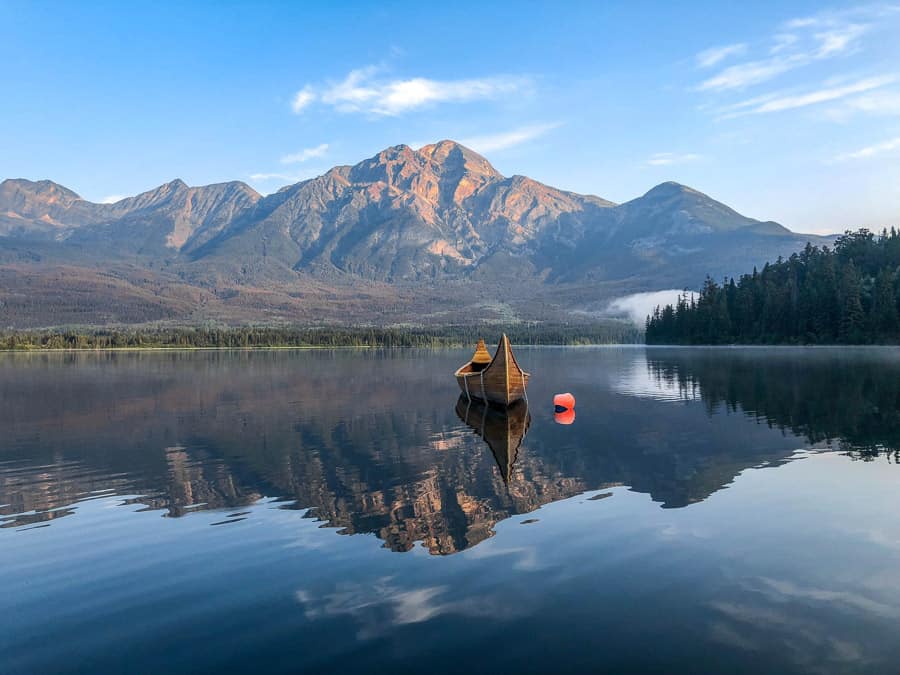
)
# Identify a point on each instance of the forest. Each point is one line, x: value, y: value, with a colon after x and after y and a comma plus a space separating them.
x: 848, y: 294
x: 247, y: 337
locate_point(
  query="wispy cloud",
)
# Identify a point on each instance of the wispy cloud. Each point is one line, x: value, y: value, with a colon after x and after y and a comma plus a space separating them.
x: 670, y: 158
x: 782, y: 41
x: 771, y: 103
x: 285, y: 177
x: 743, y: 75
x: 710, y: 57
x: 112, y: 199
x: 839, y: 40
x: 880, y: 103
x: 871, y: 150
x: 305, y: 154
x: 797, y: 43
x: 508, y: 139
x: 302, y: 99
x: 884, y: 103
x: 364, y: 90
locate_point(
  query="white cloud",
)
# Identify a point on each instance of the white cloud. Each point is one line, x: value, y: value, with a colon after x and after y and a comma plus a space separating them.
x: 782, y: 41
x: 305, y: 154
x: 670, y: 158
x: 747, y: 74
x: 713, y: 55
x: 285, y: 177
x: 798, y: 43
x: 871, y: 150
x: 881, y: 103
x: 364, y: 91
x: 838, y: 40
x: 743, y: 75
x: 778, y: 103
x: 302, y: 99
x: 508, y: 139
x: 112, y: 199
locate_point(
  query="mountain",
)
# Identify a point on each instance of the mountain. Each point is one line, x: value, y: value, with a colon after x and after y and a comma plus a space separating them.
x: 173, y: 215
x: 407, y: 215
x: 435, y: 233
x: 674, y: 232
x: 40, y: 208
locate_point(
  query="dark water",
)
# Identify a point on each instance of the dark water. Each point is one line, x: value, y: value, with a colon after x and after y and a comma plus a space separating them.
x: 708, y: 511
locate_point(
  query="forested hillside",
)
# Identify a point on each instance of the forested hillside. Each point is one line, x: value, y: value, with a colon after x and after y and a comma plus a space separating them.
x: 849, y: 294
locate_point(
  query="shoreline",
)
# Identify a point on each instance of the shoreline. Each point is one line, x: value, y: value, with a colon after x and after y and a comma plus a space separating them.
x: 605, y: 345
x: 45, y: 350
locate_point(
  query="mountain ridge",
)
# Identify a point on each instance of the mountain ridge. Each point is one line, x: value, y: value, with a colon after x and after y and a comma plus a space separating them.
x: 440, y: 217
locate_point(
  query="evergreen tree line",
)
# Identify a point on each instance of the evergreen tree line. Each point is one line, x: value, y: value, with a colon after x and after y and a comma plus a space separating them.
x: 848, y: 294
x: 611, y: 332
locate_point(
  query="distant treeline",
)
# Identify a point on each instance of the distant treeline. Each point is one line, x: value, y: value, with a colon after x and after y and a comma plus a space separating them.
x: 611, y: 332
x: 846, y: 295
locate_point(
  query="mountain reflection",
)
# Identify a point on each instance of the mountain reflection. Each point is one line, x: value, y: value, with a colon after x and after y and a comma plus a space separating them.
x: 370, y: 442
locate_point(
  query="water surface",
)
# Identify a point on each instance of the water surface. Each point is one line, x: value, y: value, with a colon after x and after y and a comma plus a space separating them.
x: 286, y: 511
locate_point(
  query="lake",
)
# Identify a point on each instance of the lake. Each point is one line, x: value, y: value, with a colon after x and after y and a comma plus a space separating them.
x: 708, y: 510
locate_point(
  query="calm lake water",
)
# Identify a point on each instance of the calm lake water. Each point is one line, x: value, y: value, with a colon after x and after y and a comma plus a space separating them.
x: 709, y: 510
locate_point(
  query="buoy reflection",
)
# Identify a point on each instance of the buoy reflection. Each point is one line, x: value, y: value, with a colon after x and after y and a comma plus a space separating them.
x: 564, y: 417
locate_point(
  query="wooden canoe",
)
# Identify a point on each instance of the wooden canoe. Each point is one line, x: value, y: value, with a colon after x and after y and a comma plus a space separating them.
x: 502, y: 430
x: 501, y: 382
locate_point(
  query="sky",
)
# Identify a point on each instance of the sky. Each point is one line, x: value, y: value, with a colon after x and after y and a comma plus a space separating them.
x: 785, y: 111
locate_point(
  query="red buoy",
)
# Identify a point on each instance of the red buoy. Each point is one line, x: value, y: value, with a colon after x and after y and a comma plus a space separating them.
x: 563, y: 402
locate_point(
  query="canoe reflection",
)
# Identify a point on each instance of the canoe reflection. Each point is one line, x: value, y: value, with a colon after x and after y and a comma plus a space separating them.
x: 502, y: 429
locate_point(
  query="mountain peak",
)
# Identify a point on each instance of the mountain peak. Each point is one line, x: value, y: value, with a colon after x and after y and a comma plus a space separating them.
x: 442, y: 149
x: 675, y: 208
x: 451, y: 154
x: 670, y: 189
x: 39, y: 187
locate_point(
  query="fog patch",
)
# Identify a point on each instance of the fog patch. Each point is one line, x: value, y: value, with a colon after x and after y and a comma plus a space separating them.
x: 638, y: 306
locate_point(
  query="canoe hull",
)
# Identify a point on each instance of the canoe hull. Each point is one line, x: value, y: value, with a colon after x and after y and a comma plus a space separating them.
x: 492, y: 393
x: 502, y: 382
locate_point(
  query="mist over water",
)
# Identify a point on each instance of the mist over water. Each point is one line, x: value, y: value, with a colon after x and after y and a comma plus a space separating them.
x: 638, y: 306
x: 337, y: 510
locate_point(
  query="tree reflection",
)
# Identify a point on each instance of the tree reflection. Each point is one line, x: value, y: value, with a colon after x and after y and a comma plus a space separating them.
x: 848, y: 399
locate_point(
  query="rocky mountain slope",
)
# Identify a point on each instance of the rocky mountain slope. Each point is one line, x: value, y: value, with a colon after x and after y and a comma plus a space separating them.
x: 430, y: 232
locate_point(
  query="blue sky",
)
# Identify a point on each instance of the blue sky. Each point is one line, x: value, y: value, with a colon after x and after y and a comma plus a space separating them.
x: 785, y: 111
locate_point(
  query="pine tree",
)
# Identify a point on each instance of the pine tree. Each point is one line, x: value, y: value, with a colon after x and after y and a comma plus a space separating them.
x: 885, y: 322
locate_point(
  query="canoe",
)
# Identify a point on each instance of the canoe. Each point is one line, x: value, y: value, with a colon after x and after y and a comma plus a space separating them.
x: 502, y: 429
x: 499, y: 381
